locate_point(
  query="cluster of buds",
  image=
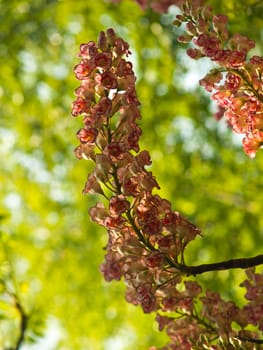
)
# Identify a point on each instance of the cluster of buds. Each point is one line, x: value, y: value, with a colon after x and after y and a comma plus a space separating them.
x: 237, y: 84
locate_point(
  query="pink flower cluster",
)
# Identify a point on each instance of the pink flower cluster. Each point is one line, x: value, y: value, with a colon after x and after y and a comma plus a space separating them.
x: 146, y: 237
x: 237, y: 84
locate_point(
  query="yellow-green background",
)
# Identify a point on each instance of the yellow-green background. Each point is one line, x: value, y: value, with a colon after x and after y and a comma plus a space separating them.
x: 50, y: 251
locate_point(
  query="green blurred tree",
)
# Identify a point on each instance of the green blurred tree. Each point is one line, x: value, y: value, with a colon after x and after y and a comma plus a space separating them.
x: 50, y: 251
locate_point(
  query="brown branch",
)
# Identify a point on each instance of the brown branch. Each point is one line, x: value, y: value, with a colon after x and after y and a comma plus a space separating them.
x: 242, y: 263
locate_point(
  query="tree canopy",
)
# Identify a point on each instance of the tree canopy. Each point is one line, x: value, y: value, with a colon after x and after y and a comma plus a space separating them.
x: 50, y: 250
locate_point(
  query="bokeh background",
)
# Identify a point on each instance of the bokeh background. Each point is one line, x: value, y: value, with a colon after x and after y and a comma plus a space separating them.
x: 50, y: 251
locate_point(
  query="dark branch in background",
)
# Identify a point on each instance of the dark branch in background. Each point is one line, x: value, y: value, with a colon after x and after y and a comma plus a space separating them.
x: 242, y: 263
x: 23, y: 317
x: 14, y: 295
x: 23, y: 324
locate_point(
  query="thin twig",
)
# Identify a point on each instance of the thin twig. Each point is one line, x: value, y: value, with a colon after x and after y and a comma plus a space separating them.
x: 250, y: 340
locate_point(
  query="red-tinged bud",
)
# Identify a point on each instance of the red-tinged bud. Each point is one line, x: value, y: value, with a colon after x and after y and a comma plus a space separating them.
x: 103, y: 60
x: 169, y: 303
x: 102, y: 168
x: 202, y: 26
x: 146, y: 297
x: 201, y: 40
x: 101, y: 142
x: 186, y: 8
x: 143, y: 159
x: 210, y: 81
x: 241, y: 43
x: 220, y: 26
x: 118, y: 205
x: 124, y: 68
x: 86, y: 89
x: 207, y: 12
x: 161, y: 6
x: 191, y: 29
x: 152, y: 227
x: 236, y: 59
x: 112, y: 267
x: 181, y: 18
x: 115, y: 150
x: 221, y: 56
x: 194, y: 53
x: 92, y: 185
x: 233, y: 82
x: 155, y: 259
x: 102, y: 42
x: 252, y: 142
x: 144, y: 215
x: 107, y: 80
x: 148, y: 182
x: 170, y: 219
x: 87, y: 135
x: 98, y: 213
x: 103, y: 106
x: 184, y: 39
x: 131, y: 96
x: 223, y: 19
x: 258, y: 121
x: 88, y: 50
x: 177, y: 23
x: 193, y: 289
x: 111, y: 36
x: 132, y: 140
x: 130, y: 186
x: 237, y: 122
x: 79, y: 106
x: 257, y: 60
x: 121, y: 47
x: 83, y: 69
x: 114, y: 222
x: 218, y: 115
x: 223, y: 98
x: 162, y: 321
x: 165, y: 243
x: 164, y: 207
x: 85, y: 151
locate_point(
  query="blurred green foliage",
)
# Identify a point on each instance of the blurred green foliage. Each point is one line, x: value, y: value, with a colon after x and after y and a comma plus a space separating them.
x: 50, y: 251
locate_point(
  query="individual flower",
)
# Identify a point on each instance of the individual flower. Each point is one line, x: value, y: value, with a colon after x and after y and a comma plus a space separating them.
x: 118, y: 205
x: 87, y: 135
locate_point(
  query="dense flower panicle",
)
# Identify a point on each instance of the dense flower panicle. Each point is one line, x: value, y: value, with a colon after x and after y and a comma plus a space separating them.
x: 211, y: 38
x: 146, y: 237
x: 242, y: 82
